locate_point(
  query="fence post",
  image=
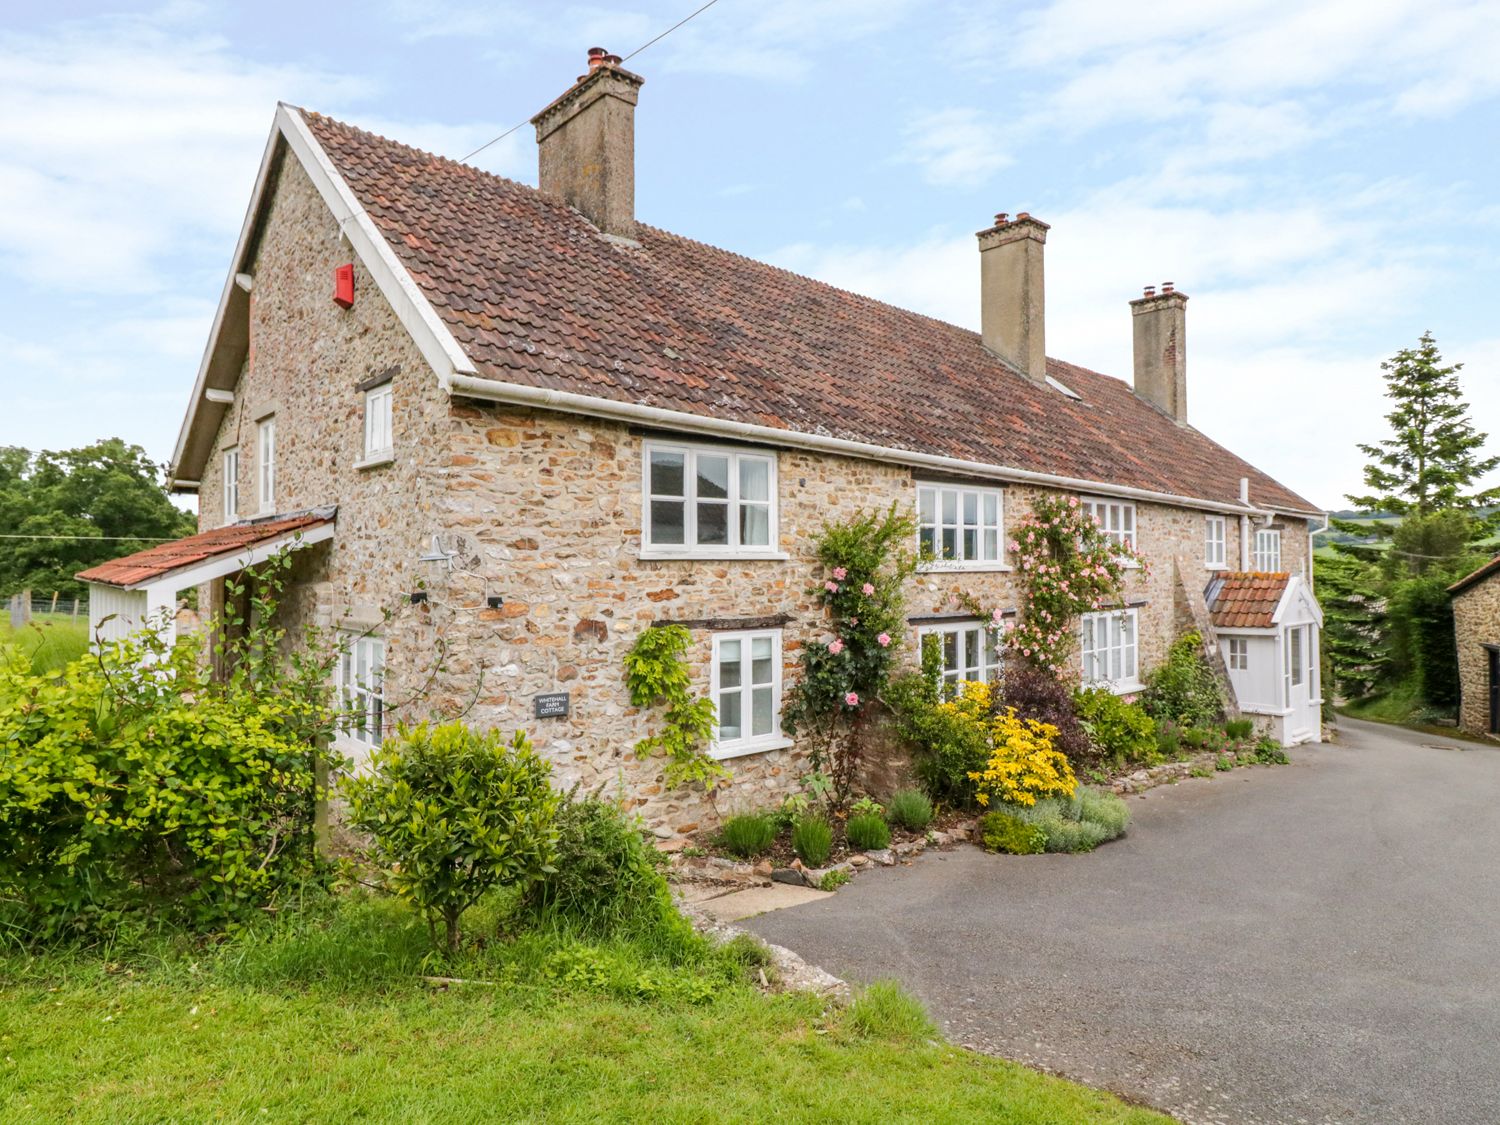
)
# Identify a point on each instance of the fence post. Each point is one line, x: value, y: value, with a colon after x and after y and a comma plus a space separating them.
x: 20, y: 610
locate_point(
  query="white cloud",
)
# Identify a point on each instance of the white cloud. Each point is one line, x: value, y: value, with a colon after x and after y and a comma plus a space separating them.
x: 955, y: 147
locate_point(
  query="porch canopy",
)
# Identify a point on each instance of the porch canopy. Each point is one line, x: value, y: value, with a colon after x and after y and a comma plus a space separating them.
x: 128, y: 592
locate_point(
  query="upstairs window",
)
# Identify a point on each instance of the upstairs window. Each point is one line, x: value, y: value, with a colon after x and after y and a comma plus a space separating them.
x: 1215, y: 542
x: 746, y: 678
x: 378, y: 442
x: 709, y: 501
x: 1111, y: 656
x: 1116, y: 519
x: 958, y: 526
x: 265, y: 456
x: 231, y: 484
x: 1268, y: 550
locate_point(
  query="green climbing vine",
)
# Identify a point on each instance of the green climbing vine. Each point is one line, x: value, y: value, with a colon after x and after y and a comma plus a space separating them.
x: 656, y: 673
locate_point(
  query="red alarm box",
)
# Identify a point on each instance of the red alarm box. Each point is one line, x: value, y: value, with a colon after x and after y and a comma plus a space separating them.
x: 343, y: 286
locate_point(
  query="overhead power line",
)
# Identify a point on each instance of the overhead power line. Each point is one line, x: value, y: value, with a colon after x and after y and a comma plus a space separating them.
x: 626, y: 59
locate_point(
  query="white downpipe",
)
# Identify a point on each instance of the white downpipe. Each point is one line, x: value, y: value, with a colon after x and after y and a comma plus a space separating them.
x: 492, y: 390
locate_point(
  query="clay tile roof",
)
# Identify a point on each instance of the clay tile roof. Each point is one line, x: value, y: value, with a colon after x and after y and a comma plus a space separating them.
x: 153, y: 562
x: 1246, y: 600
x: 537, y: 296
x: 1476, y: 577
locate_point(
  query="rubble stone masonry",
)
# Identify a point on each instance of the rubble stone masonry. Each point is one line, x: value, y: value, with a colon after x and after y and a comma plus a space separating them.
x: 1476, y: 623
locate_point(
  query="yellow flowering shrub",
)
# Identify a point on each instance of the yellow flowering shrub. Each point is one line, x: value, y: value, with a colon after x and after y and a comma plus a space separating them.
x: 1023, y: 764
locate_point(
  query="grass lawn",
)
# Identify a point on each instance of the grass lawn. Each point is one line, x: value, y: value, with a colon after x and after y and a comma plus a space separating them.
x: 329, y: 1022
x: 50, y: 641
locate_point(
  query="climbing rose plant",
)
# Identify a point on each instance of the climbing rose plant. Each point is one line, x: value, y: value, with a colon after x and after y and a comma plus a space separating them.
x: 865, y: 563
x: 1066, y: 566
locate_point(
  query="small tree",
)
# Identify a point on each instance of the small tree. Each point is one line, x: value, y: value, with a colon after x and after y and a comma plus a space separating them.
x: 453, y: 814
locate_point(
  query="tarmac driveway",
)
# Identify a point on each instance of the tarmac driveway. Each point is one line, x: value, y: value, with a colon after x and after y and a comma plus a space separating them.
x: 1317, y: 942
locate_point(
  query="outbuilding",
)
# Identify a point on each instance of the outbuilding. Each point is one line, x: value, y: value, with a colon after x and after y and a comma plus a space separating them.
x: 1476, y: 629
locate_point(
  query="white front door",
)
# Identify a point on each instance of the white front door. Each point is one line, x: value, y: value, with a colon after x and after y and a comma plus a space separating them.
x: 1299, y: 661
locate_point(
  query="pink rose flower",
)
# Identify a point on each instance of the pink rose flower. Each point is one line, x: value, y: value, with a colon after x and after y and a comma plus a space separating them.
x: 836, y: 647
x: 996, y: 615
x: 852, y: 699
x: 831, y: 587
x: 883, y: 640
x: 840, y: 573
x: 867, y: 589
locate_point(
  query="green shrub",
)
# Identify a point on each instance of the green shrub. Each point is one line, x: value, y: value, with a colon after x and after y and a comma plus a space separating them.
x: 793, y: 807
x: 606, y: 877
x: 833, y: 880
x: 1122, y: 733
x: 1269, y: 752
x: 454, y: 813
x: 1239, y: 729
x: 1037, y: 693
x: 812, y: 840
x: 868, y: 832
x: 748, y: 835
x: 946, y: 747
x: 1078, y: 823
x: 910, y: 809
x: 132, y: 787
x: 1169, y: 741
x: 885, y: 1011
x: 1184, y: 689
x: 1223, y: 763
x: 1006, y: 832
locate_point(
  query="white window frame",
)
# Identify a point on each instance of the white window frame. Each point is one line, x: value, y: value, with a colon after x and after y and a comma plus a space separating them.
x: 265, y: 463
x: 379, y: 445
x: 1119, y: 652
x: 690, y: 548
x: 1237, y: 653
x: 231, y: 484
x: 935, y: 498
x: 721, y: 748
x: 990, y: 657
x: 1268, y: 550
x: 1215, y: 542
x: 1117, y: 519
x: 361, y: 690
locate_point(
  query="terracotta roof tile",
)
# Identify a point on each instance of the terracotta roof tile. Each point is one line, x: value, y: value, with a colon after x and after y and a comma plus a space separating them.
x: 537, y: 296
x: 131, y: 570
x: 1246, y: 600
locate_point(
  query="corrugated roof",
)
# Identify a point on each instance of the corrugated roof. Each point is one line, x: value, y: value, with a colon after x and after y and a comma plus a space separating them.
x: 1246, y: 599
x: 537, y: 296
x: 132, y: 570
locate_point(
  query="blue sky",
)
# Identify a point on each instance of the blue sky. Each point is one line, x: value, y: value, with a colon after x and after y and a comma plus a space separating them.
x: 1319, y: 178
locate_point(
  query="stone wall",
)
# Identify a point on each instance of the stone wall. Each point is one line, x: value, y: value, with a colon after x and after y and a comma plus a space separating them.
x: 1476, y: 622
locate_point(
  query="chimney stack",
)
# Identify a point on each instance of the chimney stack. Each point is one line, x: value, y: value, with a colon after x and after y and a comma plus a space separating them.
x: 1160, y: 321
x: 586, y: 144
x: 1012, y: 298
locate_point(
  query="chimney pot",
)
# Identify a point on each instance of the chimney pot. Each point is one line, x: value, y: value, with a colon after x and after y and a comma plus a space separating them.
x: 1149, y: 291
x: 586, y: 145
x: 1001, y: 218
x: 1012, y: 293
x: 1160, y: 335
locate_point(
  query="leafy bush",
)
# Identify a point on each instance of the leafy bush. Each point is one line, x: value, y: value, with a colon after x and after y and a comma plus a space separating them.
x: 454, y: 813
x: 1183, y: 688
x: 606, y: 878
x: 812, y: 840
x: 948, y: 747
x: 866, y: 805
x: 910, y: 809
x: 1122, y: 733
x: 793, y: 807
x: 1079, y: 823
x: 885, y: 1011
x: 1168, y: 741
x: 1269, y: 752
x: 133, y: 787
x: 833, y: 880
x: 1023, y: 765
x: 748, y: 835
x: 1038, y: 694
x: 868, y: 832
x: 1239, y: 729
x: 1004, y: 831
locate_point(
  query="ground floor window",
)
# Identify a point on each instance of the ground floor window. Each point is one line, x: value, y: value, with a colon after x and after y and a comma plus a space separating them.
x: 746, y: 679
x: 969, y: 652
x: 1239, y: 654
x: 362, y: 690
x: 1111, y: 655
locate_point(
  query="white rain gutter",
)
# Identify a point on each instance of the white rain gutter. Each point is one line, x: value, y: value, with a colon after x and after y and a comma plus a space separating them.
x: 492, y: 390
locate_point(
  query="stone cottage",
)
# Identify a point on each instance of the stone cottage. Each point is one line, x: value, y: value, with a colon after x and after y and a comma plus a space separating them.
x: 506, y: 429
x: 1476, y: 627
